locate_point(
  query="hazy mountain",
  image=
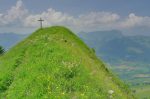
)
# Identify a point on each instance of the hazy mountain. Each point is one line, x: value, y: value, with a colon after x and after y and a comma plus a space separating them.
x: 128, y: 56
x: 98, y: 38
x: 112, y: 45
x: 7, y: 40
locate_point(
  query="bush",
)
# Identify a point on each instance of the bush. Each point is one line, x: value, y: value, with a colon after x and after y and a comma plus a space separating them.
x: 93, y: 50
x: 1, y: 50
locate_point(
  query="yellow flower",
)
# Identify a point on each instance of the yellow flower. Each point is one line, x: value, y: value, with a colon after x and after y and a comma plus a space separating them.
x: 82, y: 94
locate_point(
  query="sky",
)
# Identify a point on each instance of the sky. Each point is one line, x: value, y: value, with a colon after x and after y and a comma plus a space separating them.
x: 132, y: 17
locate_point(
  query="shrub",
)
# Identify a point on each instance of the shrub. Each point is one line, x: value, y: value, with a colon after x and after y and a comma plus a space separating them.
x: 93, y: 50
x: 1, y: 50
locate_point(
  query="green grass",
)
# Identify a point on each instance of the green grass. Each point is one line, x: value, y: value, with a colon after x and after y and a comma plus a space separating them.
x: 53, y: 63
x: 142, y: 91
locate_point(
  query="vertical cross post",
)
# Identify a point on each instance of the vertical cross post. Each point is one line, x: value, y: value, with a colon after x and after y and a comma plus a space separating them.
x: 41, y: 20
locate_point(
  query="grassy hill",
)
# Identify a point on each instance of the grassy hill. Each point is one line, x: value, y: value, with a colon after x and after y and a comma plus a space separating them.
x: 53, y: 63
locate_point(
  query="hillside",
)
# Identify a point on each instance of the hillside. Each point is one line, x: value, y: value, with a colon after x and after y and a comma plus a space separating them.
x: 54, y: 63
x: 123, y: 53
x: 127, y: 56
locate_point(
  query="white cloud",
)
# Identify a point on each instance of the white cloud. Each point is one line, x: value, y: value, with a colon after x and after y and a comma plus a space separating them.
x: 82, y: 22
x: 96, y: 20
x: 132, y: 21
x: 88, y: 22
x: 99, y: 18
x: 16, y: 13
x: 19, y: 16
x: 51, y: 17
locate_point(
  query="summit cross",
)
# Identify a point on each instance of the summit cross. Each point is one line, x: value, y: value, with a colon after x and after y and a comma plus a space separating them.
x: 41, y: 20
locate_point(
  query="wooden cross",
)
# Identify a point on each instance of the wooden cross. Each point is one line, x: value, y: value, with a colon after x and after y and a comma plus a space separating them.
x: 41, y: 20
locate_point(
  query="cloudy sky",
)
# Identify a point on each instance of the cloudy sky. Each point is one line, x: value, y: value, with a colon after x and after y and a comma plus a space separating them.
x: 132, y: 17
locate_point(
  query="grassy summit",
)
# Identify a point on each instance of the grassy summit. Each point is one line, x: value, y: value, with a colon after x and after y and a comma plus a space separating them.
x: 53, y: 63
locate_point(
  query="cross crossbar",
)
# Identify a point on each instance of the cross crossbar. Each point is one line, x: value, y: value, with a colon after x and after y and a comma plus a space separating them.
x: 41, y: 20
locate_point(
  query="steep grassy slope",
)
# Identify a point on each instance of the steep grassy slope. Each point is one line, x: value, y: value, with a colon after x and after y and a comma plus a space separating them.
x: 53, y: 63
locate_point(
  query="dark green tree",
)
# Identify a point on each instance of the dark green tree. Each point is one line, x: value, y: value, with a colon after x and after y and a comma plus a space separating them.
x: 1, y: 50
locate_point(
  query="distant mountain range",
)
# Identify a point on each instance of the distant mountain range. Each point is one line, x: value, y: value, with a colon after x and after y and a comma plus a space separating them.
x: 112, y: 45
x: 128, y: 56
x: 7, y: 40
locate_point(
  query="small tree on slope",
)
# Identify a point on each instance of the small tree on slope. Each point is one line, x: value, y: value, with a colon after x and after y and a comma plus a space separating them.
x: 1, y: 50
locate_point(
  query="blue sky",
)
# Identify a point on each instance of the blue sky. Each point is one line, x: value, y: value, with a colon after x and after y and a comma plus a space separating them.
x: 123, y: 7
x: 129, y: 16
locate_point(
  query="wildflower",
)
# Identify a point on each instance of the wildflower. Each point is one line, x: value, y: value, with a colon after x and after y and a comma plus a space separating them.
x: 110, y: 92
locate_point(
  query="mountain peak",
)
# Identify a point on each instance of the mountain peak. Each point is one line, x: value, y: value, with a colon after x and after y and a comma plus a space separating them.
x: 54, y: 63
